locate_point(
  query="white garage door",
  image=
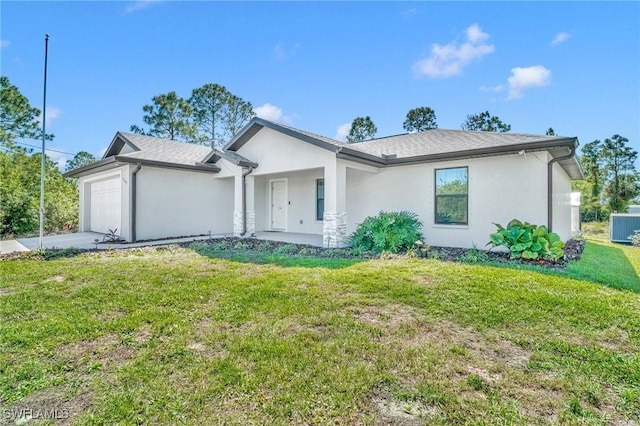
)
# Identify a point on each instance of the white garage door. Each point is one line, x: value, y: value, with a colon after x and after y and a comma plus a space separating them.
x: 106, y: 206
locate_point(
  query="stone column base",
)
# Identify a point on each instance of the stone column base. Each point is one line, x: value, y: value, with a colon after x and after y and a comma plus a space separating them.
x: 237, y: 224
x: 334, y: 230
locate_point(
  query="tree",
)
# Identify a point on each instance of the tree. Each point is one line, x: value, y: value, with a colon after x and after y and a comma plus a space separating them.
x: 420, y: 119
x: 591, y: 163
x: 83, y: 158
x: 551, y: 132
x: 169, y: 117
x: 485, y: 122
x: 18, y: 119
x: 218, y: 114
x: 20, y: 172
x: 136, y: 129
x: 619, y: 167
x: 20, y: 195
x: 237, y: 113
x: 361, y: 128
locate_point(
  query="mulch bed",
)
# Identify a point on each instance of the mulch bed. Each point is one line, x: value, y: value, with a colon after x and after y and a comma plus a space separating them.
x: 573, y: 251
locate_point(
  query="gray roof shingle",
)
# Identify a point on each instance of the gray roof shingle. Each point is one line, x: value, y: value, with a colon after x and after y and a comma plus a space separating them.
x: 164, y: 150
x: 439, y: 141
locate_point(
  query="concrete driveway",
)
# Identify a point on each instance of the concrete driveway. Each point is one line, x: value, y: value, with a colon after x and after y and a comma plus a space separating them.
x: 86, y: 240
x: 83, y: 240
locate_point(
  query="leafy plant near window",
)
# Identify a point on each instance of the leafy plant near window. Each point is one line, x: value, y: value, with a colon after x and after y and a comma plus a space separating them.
x: 527, y: 241
x: 388, y: 231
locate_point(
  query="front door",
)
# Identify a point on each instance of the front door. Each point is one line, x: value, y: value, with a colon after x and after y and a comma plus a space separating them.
x: 279, y: 205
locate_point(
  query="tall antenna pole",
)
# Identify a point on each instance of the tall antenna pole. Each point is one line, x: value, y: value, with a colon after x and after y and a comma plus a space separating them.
x: 44, y: 121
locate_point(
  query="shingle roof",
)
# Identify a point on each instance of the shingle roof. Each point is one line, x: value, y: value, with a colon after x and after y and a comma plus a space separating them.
x: 439, y: 141
x: 430, y: 145
x: 164, y: 150
x: 315, y: 136
x: 256, y: 124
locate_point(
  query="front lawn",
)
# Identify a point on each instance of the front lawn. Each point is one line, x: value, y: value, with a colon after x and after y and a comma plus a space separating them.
x: 174, y: 336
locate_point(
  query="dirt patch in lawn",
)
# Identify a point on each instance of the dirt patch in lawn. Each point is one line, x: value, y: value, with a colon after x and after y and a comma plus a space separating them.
x: 391, y: 315
x: 390, y: 410
x: 61, y: 405
x: 449, y: 336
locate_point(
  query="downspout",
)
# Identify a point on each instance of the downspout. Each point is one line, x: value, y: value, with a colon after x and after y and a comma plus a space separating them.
x: 244, y: 200
x: 133, y: 201
x: 550, y: 185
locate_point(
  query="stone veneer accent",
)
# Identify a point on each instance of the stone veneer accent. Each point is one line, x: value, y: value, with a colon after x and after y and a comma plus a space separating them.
x: 237, y: 223
x: 334, y: 230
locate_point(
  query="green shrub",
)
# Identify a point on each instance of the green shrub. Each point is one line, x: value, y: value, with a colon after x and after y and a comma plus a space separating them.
x: 286, y: 249
x: 527, y: 241
x: 635, y: 238
x: 388, y: 231
x: 473, y: 256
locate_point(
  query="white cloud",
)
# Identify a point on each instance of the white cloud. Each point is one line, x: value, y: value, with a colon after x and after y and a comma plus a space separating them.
x: 494, y: 89
x: 139, y: 5
x: 58, y: 157
x: 342, y: 131
x: 53, y: 113
x: 523, y: 78
x: 450, y: 59
x: 560, y: 38
x: 282, y: 52
x: 4, y: 44
x: 278, y: 52
x: 274, y: 113
x: 269, y: 112
x: 410, y: 13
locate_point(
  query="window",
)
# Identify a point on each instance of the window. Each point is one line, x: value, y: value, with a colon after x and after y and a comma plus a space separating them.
x: 320, y: 199
x: 452, y: 196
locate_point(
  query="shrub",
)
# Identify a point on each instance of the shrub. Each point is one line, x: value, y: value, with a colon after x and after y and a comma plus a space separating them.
x: 527, y: 241
x: 388, y: 231
x: 635, y: 238
x: 286, y: 249
x: 473, y: 256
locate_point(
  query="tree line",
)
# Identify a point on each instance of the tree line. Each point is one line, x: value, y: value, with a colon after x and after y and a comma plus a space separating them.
x: 210, y: 116
x: 20, y: 172
x: 424, y: 118
x: 611, y: 181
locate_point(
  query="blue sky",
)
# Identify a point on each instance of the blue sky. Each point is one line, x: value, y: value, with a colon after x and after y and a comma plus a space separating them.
x: 573, y: 66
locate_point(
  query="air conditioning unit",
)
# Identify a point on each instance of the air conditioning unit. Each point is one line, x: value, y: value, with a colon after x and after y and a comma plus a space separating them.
x: 622, y: 225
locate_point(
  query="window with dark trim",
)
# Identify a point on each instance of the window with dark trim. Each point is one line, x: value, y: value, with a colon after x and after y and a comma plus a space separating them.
x: 319, y: 199
x: 452, y: 196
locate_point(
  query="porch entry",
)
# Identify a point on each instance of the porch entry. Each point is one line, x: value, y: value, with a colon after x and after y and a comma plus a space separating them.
x: 278, y: 195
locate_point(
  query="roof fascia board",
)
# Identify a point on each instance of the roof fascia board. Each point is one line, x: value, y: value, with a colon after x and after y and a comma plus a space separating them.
x: 114, y: 149
x: 83, y: 170
x: 244, y: 162
x: 209, y: 168
x: 237, y: 142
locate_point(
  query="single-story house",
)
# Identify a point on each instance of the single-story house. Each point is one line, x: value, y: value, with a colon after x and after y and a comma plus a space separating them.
x: 273, y: 177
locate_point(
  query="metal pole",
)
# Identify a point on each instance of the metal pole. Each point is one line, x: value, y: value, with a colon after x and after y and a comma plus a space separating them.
x: 44, y: 120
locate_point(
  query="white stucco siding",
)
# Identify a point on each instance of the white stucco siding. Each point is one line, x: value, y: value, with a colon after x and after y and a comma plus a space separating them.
x: 116, y: 207
x: 276, y: 153
x: 301, y: 201
x: 500, y: 189
x: 561, y: 196
x: 174, y: 203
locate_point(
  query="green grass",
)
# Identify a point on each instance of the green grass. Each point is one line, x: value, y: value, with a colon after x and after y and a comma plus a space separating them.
x: 614, y: 265
x: 178, y: 337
